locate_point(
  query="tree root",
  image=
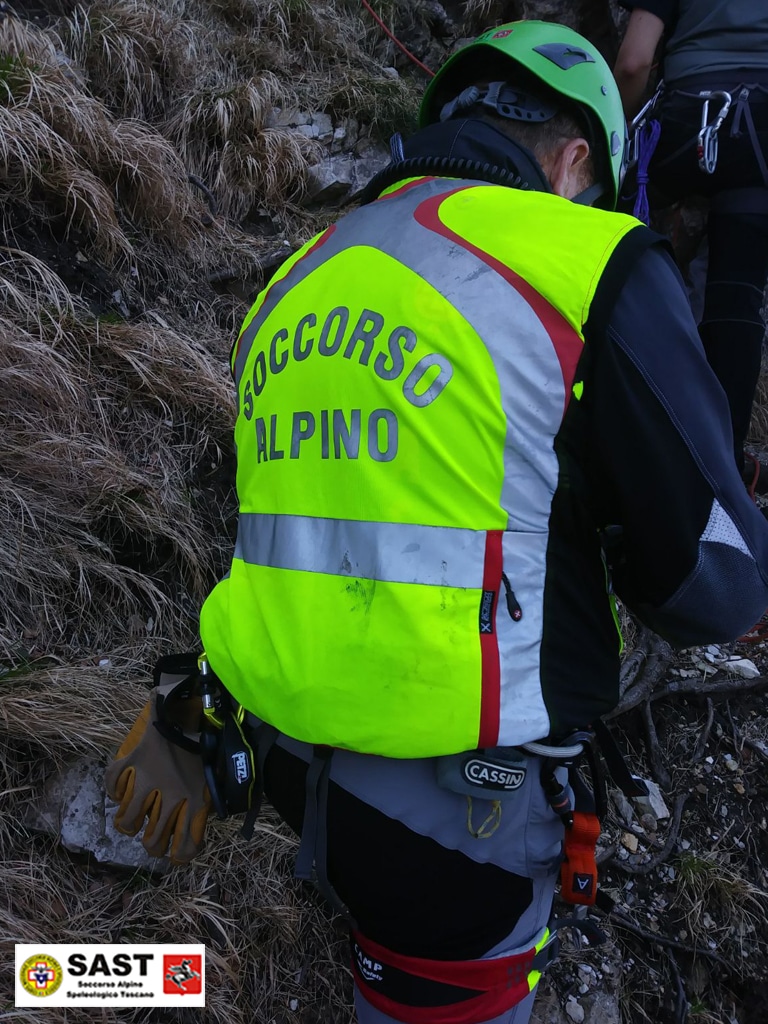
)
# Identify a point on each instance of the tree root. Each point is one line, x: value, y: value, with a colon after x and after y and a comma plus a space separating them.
x: 658, y: 769
x: 724, y: 687
x: 642, y: 670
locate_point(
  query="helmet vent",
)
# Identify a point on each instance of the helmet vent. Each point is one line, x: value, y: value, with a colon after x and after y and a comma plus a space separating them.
x: 563, y: 55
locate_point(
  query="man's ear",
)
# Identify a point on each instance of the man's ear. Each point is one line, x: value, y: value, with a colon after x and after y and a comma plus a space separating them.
x: 567, y: 168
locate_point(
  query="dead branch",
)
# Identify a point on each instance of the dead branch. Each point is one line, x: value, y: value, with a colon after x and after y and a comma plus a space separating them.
x: 681, y: 1000
x: 210, y: 198
x: 634, y: 661
x: 643, y: 836
x: 734, y: 728
x: 758, y: 748
x: 739, y: 740
x: 701, y: 746
x: 619, y: 919
x: 606, y: 854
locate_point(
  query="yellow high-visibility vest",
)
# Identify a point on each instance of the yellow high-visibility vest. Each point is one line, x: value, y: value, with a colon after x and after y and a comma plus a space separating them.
x: 400, y: 384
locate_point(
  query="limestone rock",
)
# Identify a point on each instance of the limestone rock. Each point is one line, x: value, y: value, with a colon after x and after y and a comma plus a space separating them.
x: 75, y: 807
x: 601, y: 1008
x: 575, y: 1011
x: 342, y: 174
x: 653, y: 803
x: 743, y: 667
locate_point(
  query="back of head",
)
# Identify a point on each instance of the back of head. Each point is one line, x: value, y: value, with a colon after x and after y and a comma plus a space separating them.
x: 548, y: 82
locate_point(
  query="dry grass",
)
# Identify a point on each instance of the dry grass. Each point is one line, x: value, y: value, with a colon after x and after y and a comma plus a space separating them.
x: 236, y: 899
x: 111, y: 430
x: 138, y: 55
x: 225, y: 138
x: 717, y: 901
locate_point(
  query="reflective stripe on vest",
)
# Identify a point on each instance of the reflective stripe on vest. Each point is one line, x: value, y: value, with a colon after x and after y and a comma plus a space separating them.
x: 390, y: 552
x: 412, y: 365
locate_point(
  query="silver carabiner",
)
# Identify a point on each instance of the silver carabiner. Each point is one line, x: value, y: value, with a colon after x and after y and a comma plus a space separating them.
x: 638, y: 122
x: 706, y: 142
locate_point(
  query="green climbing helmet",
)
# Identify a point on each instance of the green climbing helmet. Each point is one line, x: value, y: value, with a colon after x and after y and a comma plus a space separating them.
x: 564, y: 61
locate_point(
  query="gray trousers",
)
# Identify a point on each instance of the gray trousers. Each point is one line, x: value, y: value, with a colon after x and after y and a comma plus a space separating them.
x: 526, y: 842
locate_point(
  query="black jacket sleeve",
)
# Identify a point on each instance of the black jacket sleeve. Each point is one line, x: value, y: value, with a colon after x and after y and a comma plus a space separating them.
x: 689, y: 552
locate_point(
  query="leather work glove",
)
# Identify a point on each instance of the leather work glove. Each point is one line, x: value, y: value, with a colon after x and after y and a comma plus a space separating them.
x: 154, y: 779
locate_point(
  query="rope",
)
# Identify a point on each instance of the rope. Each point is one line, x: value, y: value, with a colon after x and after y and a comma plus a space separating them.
x: 395, y: 40
x: 649, y: 137
x: 755, y: 473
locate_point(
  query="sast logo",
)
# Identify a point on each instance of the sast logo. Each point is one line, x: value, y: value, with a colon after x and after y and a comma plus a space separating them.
x: 182, y: 975
x: 104, y: 974
x: 503, y: 34
x: 41, y: 975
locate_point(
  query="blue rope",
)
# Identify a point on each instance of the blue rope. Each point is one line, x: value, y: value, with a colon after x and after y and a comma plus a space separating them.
x: 649, y: 137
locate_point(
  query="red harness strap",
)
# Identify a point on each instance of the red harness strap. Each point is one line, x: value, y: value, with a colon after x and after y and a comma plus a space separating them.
x: 454, y: 991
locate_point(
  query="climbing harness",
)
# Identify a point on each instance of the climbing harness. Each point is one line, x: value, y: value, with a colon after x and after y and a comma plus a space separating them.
x: 234, y: 745
x: 706, y: 141
x: 495, y: 777
x: 582, y: 805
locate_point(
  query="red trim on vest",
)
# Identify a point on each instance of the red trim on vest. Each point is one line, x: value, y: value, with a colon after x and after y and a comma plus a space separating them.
x: 504, y: 979
x: 566, y: 342
x: 320, y: 240
x: 490, y: 697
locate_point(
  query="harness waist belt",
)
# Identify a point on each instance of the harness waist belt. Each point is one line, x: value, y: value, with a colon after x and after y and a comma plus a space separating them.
x: 421, y: 991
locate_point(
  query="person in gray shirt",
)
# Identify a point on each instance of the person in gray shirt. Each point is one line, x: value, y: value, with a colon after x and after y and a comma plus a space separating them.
x: 713, y: 46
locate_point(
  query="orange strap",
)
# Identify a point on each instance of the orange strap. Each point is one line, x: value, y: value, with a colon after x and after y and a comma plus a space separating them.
x: 578, y: 872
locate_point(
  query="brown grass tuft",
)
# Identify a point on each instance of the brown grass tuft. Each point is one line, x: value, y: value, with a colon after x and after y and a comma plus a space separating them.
x: 137, y: 55
x: 224, y: 138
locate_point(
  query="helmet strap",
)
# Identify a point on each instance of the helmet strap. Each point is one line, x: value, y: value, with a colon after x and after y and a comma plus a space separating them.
x: 589, y: 195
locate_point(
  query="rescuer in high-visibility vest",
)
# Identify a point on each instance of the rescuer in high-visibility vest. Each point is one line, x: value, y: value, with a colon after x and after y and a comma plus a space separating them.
x: 469, y: 413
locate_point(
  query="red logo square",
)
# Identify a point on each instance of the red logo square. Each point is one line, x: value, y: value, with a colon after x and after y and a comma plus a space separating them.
x: 183, y: 974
